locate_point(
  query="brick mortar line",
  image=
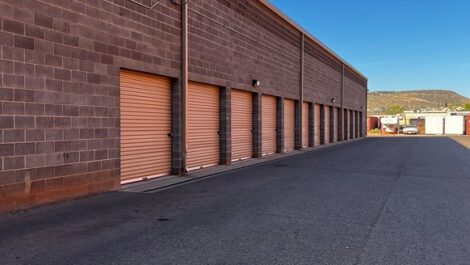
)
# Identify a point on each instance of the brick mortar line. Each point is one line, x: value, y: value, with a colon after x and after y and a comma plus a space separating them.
x: 94, y: 29
x: 246, y: 36
x: 116, y: 14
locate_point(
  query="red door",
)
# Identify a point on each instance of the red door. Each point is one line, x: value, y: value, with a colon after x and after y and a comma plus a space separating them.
x: 467, y: 121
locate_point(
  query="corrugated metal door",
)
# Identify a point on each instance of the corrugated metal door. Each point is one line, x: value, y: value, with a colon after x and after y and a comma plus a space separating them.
x: 335, y: 124
x: 435, y: 125
x: 289, y: 125
x: 268, y: 120
x: 305, y: 124
x: 242, y: 125
x: 203, y: 125
x: 468, y: 124
x: 454, y: 125
x: 145, y: 126
x: 327, y: 124
x: 317, y: 124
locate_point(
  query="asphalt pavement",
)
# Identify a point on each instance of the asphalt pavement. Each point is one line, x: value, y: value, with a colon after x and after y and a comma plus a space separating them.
x: 379, y: 201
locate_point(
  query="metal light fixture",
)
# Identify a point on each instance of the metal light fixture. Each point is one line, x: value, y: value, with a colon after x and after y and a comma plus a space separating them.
x: 333, y: 100
x: 255, y: 83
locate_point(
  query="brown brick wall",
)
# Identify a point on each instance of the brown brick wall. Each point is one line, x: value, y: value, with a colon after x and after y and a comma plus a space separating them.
x: 322, y: 76
x: 59, y: 80
x: 354, y: 95
x: 59, y: 93
x: 234, y: 42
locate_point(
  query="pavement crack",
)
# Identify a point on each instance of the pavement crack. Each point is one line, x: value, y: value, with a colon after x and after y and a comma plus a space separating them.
x: 400, y: 174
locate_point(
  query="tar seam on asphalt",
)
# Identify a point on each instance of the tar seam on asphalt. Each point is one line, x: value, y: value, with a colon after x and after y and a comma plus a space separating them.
x: 382, y: 208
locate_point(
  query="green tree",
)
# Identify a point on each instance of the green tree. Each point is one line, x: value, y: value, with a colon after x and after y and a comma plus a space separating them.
x: 467, y: 106
x: 394, y: 110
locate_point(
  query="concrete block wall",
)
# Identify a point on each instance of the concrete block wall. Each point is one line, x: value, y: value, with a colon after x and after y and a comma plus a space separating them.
x: 257, y: 126
x: 257, y: 43
x: 280, y: 126
x: 59, y: 88
x: 225, y: 132
x: 322, y: 125
x: 311, y: 125
x: 340, y: 125
x: 298, y: 125
x: 355, y: 92
x: 59, y: 91
x: 322, y: 76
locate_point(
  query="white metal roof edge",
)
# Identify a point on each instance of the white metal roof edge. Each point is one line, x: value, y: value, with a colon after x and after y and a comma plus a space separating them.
x: 276, y: 10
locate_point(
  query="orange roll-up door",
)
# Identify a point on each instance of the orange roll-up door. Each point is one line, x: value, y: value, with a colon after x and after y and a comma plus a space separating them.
x: 289, y: 125
x: 242, y: 124
x: 203, y: 108
x: 268, y: 120
x: 327, y: 124
x: 145, y: 102
x: 317, y: 124
x: 305, y: 124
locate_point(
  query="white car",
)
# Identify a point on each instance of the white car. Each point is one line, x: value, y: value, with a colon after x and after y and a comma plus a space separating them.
x: 411, y: 129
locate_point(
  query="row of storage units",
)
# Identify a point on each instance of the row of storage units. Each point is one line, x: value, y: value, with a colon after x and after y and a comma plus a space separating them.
x: 146, y: 125
x: 452, y: 125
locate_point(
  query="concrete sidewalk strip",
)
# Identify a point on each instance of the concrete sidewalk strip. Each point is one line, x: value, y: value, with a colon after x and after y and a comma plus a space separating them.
x: 463, y: 140
x: 161, y: 183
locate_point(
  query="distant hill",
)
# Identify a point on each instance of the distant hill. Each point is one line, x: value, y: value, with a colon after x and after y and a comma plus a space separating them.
x: 415, y: 100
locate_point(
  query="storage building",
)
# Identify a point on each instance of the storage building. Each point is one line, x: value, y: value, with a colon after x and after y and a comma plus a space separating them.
x: 454, y: 125
x: 99, y: 93
x: 434, y: 125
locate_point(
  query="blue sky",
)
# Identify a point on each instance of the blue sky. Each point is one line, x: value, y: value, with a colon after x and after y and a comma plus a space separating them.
x: 397, y: 44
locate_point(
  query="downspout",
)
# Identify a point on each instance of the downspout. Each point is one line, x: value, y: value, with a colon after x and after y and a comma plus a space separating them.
x: 302, y: 84
x: 342, y: 103
x: 184, y: 86
x: 365, y: 112
x: 302, y: 69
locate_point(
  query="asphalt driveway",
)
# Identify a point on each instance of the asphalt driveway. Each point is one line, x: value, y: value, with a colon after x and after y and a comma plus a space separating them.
x: 378, y: 201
